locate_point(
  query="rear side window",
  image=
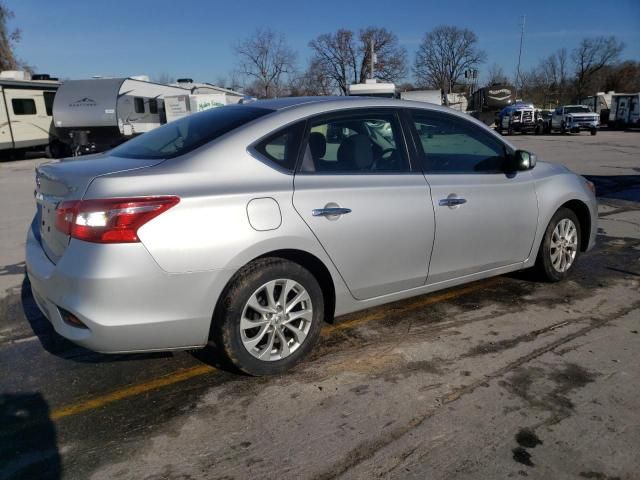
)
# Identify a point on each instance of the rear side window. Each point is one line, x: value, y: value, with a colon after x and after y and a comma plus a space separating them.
x: 48, y: 102
x: 138, y: 104
x: 360, y: 143
x: 281, y: 148
x: 453, y: 145
x: 188, y: 133
x: 23, y: 106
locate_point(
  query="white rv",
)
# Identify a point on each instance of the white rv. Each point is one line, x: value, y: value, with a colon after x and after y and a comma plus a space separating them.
x: 429, y: 96
x: 625, y: 110
x: 25, y: 113
x: 201, y: 96
x: 97, y: 114
x: 371, y: 88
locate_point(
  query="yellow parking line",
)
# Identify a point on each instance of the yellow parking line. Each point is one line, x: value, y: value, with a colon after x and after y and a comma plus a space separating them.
x: 182, y: 375
x: 131, y: 391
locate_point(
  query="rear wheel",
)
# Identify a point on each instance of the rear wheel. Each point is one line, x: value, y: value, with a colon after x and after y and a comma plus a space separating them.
x: 269, y: 317
x: 560, y: 246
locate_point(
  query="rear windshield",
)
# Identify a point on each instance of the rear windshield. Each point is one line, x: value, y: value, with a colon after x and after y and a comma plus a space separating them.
x: 188, y: 133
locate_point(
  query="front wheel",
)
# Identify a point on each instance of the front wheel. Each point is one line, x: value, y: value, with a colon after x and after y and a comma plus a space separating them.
x: 594, y: 131
x: 269, y: 317
x: 560, y: 246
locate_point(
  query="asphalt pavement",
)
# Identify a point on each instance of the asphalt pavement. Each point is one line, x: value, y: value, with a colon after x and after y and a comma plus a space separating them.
x: 503, y: 378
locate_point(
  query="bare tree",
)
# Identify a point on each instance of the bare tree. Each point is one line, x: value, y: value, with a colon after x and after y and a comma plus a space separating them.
x: 267, y: 60
x: 591, y: 56
x: 313, y: 81
x: 495, y: 74
x: 346, y: 59
x: 8, y: 40
x: 444, y: 55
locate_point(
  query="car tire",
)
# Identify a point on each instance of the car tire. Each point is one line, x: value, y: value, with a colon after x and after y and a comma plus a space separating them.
x: 563, y: 128
x: 594, y: 131
x: 281, y: 342
x: 553, y: 251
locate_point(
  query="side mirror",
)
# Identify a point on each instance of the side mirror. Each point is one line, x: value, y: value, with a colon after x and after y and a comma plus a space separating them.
x: 521, y: 160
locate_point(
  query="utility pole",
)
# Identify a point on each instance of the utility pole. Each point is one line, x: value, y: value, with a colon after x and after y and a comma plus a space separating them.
x: 524, y: 18
x: 373, y: 59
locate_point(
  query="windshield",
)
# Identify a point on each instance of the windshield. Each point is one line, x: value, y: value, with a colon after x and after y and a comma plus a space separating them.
x: 577, y: 110
x: 188, y: 133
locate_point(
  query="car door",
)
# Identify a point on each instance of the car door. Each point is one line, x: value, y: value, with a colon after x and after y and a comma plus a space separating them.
x: 371, y: 212
x: 556, y: 118
x: 485, y: 218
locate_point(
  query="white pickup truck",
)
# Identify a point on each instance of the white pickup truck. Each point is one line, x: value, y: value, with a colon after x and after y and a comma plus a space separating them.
x: 573, y: 118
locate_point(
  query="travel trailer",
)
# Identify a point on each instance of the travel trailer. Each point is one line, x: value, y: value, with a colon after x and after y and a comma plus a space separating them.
x: 201, y: 96
x: 97, y: 114
x: 625, y: 110
x: 373, y: 89
x: 428, y: 96
x: 599, y: 103
x: 25, y: 113
x: 485, y: 103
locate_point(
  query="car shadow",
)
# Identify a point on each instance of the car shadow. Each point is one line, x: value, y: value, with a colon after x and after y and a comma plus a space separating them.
x: 621, y: 187
x: 28, y: 443
x: 59, y: 346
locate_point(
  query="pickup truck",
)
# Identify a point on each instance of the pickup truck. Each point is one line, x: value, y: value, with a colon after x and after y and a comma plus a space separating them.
x: 574, y: 118
x: 520, y: 117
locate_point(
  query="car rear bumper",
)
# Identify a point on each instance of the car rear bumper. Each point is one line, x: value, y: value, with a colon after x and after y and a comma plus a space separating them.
x: 127, y: 302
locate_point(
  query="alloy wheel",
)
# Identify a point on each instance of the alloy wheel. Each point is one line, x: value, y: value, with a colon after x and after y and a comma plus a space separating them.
x: 564, y: 245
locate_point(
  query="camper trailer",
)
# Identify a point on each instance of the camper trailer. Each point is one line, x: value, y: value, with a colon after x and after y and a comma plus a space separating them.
x: 25, y: 112
x: 371, y: 88
x: 486, y: 103
x: 428, y: 96
x: 625, y: 110
x: 201, y: 96
x: 599, y: 103
x: 97, y: 114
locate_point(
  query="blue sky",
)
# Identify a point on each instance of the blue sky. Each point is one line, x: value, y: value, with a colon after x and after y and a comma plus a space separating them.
x: 185, y: 38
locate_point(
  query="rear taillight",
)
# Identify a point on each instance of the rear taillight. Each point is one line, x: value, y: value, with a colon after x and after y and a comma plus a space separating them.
x: 114, y: 220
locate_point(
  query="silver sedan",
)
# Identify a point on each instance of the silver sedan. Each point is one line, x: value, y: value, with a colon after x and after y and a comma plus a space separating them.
x: 248, y: 226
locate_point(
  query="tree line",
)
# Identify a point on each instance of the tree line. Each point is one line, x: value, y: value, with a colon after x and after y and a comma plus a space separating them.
x: 267, y: 66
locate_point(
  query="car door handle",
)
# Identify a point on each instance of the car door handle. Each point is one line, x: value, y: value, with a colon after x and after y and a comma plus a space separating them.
x: 330, y: 212
x: 451, y: 202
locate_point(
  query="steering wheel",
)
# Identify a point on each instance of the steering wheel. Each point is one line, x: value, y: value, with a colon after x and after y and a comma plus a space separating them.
x: 386, y: 155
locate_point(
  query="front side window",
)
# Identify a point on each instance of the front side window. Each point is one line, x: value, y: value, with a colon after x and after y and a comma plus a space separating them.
x: 138, y: 104
x: 360, y: 143
x: 23, y: 106
x: 188, y: 133
x: 448, y: 144
x: 281, y: 148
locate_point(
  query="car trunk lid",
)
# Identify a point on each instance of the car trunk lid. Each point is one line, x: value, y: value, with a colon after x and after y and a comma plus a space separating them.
x: 68, y: 180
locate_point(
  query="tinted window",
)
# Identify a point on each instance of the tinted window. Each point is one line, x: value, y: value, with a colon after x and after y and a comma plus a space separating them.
x: 183, y: 135
x: 138, y: 104
x: 153, y: 105
x: 23, y: 106
x: 577, y: 110
x: 48, y: 102
x: 282, y: 147
x: 355, y: 144
x: 454, y: 145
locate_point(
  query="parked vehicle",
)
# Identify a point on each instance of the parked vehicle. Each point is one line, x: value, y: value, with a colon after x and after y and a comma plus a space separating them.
x: 574, y: 118
x: 600, y: 103
x: 520, y: 117
x: 25, y: 113
x: 194, y: 233
x: 373, y: 88
x: 95, y: 115
x: 625, y: 110
x: 178, y: 106
x: 485, y: 103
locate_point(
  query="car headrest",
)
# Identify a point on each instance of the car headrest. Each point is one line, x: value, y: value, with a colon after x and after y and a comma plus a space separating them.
x: 317, y: 144
x: 356, y: 152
